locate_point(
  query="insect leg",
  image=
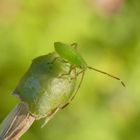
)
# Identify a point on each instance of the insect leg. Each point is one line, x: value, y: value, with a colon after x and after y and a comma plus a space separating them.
x: 65, y: 105
x: 83, y: 72
x: 62, y: 60
x: 75, y: 76
x: 68, y: 73
x: 50, y: 116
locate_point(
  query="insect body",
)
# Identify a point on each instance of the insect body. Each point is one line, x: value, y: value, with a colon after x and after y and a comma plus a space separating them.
x: 72, y: 56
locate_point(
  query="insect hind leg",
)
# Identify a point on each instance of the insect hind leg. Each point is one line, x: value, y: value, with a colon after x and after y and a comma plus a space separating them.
x: 50, y: 116
x: 65, y: 105
x: 73, y: 96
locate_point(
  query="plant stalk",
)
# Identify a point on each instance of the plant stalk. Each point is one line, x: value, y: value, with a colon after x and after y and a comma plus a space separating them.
x: 16, y: 123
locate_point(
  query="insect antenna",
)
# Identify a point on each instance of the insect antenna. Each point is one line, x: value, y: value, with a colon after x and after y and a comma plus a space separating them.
x: 107, y: 74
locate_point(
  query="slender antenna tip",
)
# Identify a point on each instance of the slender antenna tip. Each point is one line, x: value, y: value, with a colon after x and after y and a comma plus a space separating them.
x: 123, y: 84
x: 107, y: 74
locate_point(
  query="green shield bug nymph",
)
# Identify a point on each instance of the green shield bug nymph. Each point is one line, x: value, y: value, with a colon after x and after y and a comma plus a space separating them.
x: 70, y: 54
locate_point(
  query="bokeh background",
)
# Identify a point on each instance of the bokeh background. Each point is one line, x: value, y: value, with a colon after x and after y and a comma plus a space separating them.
x: 108, y: 34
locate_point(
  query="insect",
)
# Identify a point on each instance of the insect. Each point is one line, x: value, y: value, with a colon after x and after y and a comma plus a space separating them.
x: 48, y: 86
x: 70, y: 54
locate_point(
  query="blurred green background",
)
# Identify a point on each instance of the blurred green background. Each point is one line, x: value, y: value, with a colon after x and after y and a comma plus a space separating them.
x: 108, y: 34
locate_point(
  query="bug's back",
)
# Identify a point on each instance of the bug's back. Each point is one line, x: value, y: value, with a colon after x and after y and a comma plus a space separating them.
x: 70, y: 54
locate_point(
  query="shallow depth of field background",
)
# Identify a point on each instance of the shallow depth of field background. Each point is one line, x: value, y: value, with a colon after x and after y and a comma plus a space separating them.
x: 108, y: 34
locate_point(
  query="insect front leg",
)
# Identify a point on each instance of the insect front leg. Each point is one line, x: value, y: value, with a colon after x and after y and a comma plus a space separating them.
x: 68, y: 73
x: 63, y: 61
